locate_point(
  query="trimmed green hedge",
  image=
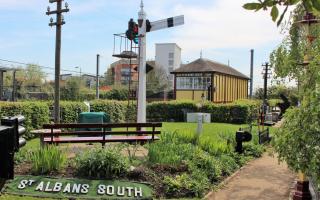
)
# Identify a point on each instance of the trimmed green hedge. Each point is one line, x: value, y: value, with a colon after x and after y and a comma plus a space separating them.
x: 170, y: 110
x: 70, y: 111
x: 36, y: 113
x: 238, y: 112
x: 117, y: 110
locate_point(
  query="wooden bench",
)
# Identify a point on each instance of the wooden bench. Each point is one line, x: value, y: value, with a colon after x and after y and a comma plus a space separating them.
x: 72, y: 133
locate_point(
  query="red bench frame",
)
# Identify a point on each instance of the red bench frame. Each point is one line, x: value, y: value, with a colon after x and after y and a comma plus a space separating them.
x: 52, y: 132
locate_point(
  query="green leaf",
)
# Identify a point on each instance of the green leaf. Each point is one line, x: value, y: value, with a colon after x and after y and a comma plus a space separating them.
x: 269, y: 3
x: 274, y: 13
x: 316, y: 4
x: 308, y: 5
x: 252, y: 6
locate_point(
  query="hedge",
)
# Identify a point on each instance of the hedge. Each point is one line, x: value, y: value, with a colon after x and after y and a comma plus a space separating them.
x: 238, y: 112
x: 170, y: 110
x: 36, y: 113
x: 69, y: 111
x: 119, y: 111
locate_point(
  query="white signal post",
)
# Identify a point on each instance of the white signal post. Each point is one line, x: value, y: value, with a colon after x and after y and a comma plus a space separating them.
x: 142, y: 94
x: 157, y: 25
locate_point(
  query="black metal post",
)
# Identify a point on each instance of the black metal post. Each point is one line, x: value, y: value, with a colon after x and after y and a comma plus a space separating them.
x: 251, y: 73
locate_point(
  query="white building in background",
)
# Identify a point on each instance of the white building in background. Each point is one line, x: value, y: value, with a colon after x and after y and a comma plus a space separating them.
x: 168, y: 56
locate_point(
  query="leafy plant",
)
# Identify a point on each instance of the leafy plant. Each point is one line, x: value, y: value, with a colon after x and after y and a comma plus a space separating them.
x: 102, y: 163
x: 186, y: 185
x: 210, y: 166
x: 309, y: 5
x: 47, y: 160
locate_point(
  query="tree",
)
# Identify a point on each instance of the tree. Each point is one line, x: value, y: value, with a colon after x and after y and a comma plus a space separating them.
x: 309, y: 5
x: 157, y: 81
x: 71, y: 90
x: 109, y: 77
x: 298, y: 140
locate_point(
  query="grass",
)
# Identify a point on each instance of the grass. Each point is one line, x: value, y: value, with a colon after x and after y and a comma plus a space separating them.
x: 210, y: 130
x: 13, y: 197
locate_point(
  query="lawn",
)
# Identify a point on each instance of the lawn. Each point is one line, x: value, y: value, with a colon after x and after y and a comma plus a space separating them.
x: 211, y: 131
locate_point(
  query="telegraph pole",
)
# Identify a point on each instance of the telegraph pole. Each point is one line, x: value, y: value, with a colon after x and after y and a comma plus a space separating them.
x: 266, y: 74
x: 59, y: 22
x: 97, y: 78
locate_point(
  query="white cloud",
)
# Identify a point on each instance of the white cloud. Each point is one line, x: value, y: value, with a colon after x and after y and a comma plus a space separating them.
x: 225, y: 25
x: 217, y: 24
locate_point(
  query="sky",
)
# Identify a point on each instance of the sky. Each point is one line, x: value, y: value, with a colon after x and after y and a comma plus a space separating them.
x: 221, y: 29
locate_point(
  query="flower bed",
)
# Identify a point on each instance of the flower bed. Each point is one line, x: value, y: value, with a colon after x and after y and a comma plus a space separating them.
x: 180, y: 165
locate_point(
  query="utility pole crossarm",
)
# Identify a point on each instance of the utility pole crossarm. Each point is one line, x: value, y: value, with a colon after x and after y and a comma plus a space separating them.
x: 167, y: 23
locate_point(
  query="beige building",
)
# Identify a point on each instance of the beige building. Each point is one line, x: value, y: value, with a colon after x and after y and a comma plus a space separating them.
x: 205, y: 79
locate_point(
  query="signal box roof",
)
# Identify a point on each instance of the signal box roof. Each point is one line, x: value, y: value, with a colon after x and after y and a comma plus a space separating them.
x: 203, y: 65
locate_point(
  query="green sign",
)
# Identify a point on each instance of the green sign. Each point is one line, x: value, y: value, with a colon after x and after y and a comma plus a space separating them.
x: 77, y: 188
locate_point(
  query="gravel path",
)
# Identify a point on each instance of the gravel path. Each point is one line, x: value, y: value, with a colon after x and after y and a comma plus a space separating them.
x: 261, y: 179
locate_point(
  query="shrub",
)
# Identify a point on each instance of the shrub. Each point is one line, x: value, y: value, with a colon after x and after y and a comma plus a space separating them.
x: 117, y: 110
x: 169, y: 153
x: 250, y: 149
x: 186, y: 185
x: 70, y: 111
x: 101, y: 163
x: 210, y: 166
x: 215, y: 147
x: 36, y: 113
x: 47, y: 160
x: 228, y: 164
x: 115, y: 94
x: 170, y: 110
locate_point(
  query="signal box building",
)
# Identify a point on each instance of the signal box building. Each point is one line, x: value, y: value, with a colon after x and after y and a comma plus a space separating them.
x: 204, y: 79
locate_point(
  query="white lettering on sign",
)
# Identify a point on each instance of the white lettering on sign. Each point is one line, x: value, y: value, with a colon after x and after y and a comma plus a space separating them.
x: 67, y: 188
x: 129, y: 191
x: 48, y: 189
x: 138, y: 192
x: 120, y: 191
x: 31, y: 182
x: 76, y: 188
x: 101, y: 189
x: 57, y: 187
x: 110, y: 190
x: 23, y: 184
x: 85, y: 189
x: 40, y: 186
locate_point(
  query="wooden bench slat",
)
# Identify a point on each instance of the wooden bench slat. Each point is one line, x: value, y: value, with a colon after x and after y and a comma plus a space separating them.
x: 104, y: 125
x: 81, y: 133
x: 99, y: 133
x: 98, y: 139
